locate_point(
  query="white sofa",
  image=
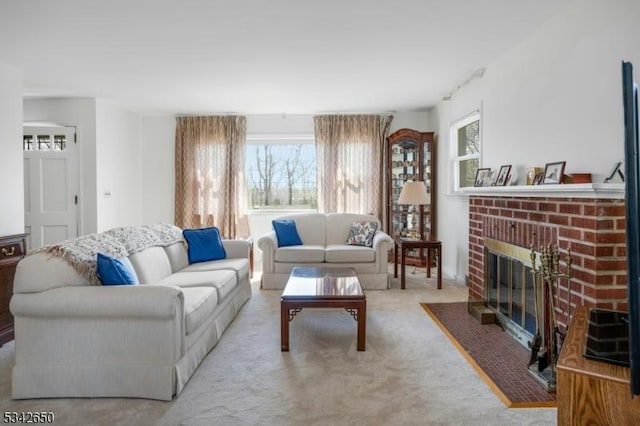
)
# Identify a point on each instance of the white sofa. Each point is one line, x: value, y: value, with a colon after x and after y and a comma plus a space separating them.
x: 323, y: 237
x: 76, y: 338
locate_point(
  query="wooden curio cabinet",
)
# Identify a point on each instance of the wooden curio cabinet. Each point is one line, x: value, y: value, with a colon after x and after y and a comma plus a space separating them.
x: 411, y: 155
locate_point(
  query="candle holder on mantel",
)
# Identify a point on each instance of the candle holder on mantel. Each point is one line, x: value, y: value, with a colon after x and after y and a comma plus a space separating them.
x: 545, y: 346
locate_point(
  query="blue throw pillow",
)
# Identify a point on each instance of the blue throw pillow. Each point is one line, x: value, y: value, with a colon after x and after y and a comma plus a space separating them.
x: 204, y: 244
x: 287, y: 233
x: 112, y: 271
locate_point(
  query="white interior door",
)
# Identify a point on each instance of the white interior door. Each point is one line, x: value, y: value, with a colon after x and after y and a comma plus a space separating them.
x: 50, y: 184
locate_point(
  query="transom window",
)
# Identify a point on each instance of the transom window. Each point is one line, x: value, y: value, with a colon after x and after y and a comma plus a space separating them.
x: 465, y: 150
x: 44, y: 142
x: 281, y: 172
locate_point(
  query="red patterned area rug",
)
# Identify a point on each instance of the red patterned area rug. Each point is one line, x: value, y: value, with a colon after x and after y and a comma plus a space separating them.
x: 496, y: 356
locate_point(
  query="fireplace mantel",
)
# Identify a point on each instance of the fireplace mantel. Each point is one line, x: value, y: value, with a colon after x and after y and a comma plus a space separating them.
x: 577, y: 190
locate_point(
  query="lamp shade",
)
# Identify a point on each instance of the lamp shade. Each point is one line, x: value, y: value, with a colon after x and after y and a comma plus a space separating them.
x: 413, y: 193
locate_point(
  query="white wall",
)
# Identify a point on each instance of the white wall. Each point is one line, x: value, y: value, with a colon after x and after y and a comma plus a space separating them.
x: 264, y: 125
x: 158, y: 169
x: 416, y: 120
x: 81, y: 113
x: 554, y: 97
x: 119, y: 166
x: 11, y: 161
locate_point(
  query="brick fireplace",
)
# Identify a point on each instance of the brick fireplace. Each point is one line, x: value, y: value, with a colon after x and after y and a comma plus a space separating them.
x: 588, y: 219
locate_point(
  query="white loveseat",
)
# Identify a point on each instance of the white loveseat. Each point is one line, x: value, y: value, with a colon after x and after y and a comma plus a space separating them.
x: 323, y: 237
x: 77, y: 338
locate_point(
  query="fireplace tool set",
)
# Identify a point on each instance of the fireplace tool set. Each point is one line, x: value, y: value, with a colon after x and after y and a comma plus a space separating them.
x: 545, y: 346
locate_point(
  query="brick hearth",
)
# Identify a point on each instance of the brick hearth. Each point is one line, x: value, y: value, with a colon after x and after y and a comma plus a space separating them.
x: 593, y: 228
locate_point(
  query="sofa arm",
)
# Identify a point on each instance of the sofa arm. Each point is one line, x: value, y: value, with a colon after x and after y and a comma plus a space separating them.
x: 268, y: 243
x: 134, y: 302
x: 236, y: 249
x: 97, y: 329
x: 382, y: 241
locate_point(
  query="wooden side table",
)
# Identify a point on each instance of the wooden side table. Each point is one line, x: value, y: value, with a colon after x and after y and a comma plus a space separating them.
x: 250, y: 241
x: 591, y: 392
x: 12, y: 249
x: 403, y: 245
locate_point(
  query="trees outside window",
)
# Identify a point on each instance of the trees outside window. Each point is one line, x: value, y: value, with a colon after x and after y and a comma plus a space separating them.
x: 465, y: 150
x: 281, y: 174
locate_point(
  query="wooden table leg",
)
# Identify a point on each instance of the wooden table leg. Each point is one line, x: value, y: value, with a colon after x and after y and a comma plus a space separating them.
x: 402, y: 257
x: 439, y: 253
x: 284, y: 327
x: 395, y: 260
x: 362, y: 325
x: 428, y: 263
x: 251, y: 260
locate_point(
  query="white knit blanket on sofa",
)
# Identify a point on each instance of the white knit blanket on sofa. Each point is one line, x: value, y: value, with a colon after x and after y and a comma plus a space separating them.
x: 81, y: 252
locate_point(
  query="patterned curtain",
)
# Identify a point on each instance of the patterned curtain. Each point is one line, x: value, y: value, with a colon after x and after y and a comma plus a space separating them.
x: 349, y: 153
x: 210, y: 176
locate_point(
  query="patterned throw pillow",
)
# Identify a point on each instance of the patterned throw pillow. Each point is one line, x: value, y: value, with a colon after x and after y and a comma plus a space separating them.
x: 362, y: 234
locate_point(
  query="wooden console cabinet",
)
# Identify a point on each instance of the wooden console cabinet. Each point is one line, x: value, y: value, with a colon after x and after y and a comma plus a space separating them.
x: 591, y: 392
x: 12, y: 249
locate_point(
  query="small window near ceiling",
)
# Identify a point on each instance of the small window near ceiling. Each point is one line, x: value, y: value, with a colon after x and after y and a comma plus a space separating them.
x: 44, y: 142
x: 281, y: 173
x: 465, y: 150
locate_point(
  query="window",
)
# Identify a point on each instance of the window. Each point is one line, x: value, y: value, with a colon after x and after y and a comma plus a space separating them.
x: 281, y: 173
x: 465, y: 150
x: 46, y: 142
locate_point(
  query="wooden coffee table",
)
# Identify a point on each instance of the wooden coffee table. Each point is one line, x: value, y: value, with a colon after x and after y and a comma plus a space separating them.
x: 322, y: 288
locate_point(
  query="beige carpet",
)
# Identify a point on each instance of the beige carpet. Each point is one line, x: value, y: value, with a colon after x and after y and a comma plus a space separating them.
x: 410, y: 373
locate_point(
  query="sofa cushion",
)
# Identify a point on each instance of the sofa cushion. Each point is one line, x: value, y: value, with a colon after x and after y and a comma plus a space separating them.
x: 177, y: 254
x: 151, y: 264
x: 343, y: 253
x: 362, y: 234
x: 300, y: 254
x: 223, y: 280
x: 204, y: 244
x: 199, y: 303
x: 112, y: 271
x: 241, y: 266
x: 286, y: 233
x: 339, y: 225
x: 311, y: 227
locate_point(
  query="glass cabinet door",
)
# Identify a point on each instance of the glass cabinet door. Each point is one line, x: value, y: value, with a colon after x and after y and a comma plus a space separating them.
x: 410, y: 156
x: 426, y: 177
x: 405, y: 164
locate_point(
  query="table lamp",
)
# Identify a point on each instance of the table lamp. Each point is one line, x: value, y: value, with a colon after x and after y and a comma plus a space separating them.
x: 413, y: 193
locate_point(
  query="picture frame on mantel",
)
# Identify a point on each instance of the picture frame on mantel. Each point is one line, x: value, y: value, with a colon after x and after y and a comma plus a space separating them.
x: 482, y: 175
x: 554, y: 172
x: 616, y: 171
x: 537, y: 179
x: 503, y: 175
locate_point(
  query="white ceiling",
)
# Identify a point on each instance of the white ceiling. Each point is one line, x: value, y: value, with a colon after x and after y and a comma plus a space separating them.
x: 260, y: 56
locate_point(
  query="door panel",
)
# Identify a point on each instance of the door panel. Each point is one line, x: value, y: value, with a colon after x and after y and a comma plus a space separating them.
x: 54, y: 185
x: 51, y: 184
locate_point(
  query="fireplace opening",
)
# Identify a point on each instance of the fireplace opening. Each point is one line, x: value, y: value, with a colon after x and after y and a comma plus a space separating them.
x: 511, y: 284
x: 510, y: 290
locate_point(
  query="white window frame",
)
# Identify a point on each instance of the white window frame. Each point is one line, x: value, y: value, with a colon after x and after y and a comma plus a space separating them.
x: 456, y: 159
x: 279, y: 139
